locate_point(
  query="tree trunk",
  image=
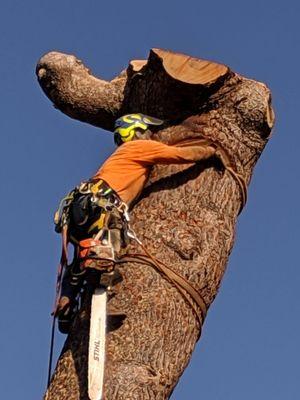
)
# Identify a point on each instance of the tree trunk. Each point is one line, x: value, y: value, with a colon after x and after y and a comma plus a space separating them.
x: 186, y: 215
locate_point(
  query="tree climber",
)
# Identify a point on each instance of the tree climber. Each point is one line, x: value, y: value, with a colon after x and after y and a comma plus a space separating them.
x: 94, y: 216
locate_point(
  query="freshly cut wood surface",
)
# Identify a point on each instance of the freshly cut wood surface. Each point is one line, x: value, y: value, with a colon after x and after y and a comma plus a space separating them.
x: 137, y: 65
x: 184, y: 68
x: 190, y: 69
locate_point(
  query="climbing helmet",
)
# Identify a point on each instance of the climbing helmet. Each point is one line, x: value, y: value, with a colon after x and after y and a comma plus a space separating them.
x: 127, y: 126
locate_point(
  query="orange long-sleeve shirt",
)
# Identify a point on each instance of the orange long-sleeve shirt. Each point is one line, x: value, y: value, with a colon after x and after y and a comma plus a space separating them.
x: 127, y: 169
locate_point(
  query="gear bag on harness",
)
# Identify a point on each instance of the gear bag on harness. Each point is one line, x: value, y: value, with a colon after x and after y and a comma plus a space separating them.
x: 95, y: 220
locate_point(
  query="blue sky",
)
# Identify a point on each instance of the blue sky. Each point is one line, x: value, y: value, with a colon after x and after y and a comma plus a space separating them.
x: 250, y: 346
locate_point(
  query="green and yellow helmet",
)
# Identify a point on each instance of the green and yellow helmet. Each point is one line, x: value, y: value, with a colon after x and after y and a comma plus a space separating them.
x: 126, y: 126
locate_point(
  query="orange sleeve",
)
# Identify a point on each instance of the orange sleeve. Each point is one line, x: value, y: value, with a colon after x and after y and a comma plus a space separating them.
x: 153, y: 152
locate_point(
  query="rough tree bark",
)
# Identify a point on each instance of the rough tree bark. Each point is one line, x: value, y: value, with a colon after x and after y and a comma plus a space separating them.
x: 186, y: 215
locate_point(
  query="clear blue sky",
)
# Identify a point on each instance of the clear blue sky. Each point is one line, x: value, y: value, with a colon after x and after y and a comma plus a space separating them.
x: 250, y: 344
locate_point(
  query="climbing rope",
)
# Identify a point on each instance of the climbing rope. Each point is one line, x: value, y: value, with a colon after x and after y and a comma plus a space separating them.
x: 51, y: 351
x: 190, y: 294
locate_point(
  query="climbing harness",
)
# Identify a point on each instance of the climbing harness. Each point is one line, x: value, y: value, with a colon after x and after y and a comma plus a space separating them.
x: 88, y: 209
x: 95, y: 220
